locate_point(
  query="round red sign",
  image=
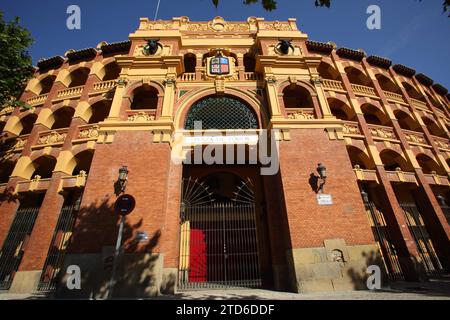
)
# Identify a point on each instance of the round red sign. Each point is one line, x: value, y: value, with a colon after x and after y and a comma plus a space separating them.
x: 124, y: 204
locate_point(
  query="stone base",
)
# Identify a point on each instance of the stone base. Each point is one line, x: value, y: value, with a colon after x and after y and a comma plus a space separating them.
x: 335, y: 267
x: 138, y: 275
x: 25, y: 281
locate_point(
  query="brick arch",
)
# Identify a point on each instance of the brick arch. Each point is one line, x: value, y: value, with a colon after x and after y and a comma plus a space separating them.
x: 72, y: 104
x: 44, y: 166
x: 304, y: 85
x: 66, y: 78
x: 330, y: 65
x: 432, y: 125
x: 136, y: 84
x: 360, y: 157
x: 429, y: 164
x: 98, y: 68
x: 407, y: 121
x: 391, y: 159
x: 250, y: 100
x: 364, y: 80
x: 375, y: 110
x: 340, y: 104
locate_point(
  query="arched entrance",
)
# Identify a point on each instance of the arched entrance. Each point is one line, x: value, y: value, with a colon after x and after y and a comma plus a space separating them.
x: 220, y: 233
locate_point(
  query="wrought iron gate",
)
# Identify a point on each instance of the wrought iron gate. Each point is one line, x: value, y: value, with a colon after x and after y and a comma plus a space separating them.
x: 384, y: 240
x: 218, y: 241
x: 58, y: 247
x: 15, y: 243
x: 423, y: 241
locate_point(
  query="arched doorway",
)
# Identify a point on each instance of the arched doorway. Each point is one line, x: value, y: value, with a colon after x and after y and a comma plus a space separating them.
x: 222, y: 232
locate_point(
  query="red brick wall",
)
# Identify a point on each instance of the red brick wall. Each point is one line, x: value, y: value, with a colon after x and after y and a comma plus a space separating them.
x: 148, y: 165
x: 310, y: 223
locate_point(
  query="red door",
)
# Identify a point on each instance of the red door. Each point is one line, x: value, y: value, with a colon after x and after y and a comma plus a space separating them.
x: 197, y: 271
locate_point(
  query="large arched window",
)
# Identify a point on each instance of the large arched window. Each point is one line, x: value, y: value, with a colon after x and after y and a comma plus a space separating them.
x: 145, y: 97
x: 221, y: 113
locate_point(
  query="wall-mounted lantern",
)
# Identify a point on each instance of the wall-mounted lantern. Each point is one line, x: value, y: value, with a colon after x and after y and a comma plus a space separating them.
x: 322, y: 171
x: 123, y: 178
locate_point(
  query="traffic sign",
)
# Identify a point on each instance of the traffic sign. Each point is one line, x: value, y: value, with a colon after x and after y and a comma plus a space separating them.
x: 124, y: 204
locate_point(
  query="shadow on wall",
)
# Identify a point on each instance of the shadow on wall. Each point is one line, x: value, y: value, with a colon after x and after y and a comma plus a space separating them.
x: 139, y: 269
x: 359, y: 277
x: 8, y: 195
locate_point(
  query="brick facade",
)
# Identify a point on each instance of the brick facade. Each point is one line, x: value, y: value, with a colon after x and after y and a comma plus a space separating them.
x: 346, y: 119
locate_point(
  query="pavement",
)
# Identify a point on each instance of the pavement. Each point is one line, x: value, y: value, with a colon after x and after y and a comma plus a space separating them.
x: 438, y: 289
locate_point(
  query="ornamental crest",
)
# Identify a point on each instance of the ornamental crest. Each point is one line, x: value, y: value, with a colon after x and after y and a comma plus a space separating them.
x: 220, y: 65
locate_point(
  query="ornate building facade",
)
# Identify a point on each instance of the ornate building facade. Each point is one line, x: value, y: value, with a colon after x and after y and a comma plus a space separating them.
x: 381, y: 131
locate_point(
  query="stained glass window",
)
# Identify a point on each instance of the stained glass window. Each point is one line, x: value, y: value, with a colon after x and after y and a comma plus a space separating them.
x: 221, y: 113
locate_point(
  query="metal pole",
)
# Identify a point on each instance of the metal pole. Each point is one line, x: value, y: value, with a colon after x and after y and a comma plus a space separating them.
x: 112, y: 281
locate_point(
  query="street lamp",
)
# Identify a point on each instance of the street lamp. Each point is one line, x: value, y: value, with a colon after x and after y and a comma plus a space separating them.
x: 322, y: 170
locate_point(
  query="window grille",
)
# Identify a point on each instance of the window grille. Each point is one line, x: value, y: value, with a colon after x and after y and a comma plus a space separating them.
x: 221, y: 113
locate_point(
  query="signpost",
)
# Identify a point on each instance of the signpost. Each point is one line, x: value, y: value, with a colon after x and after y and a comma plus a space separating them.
x: 123, y: 206
x: 324, y: 199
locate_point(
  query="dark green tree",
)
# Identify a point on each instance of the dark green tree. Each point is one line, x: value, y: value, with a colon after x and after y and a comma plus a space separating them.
x: 270, y: 5
x: 15, y: 62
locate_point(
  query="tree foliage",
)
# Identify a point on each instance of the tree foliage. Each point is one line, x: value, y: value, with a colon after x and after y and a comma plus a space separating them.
x: 270, y: 5
x: 15, y: 62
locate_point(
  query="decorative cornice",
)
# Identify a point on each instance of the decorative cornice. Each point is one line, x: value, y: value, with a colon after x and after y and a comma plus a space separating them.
x: 379, y: 62
x: 352, y: 54
x: 123, y: 46
x: 425, y: 80
x: 440, y: 89
x: 83, y: 54
x: 50, y: 63
x: 404, y: 70
x: 320, y: 46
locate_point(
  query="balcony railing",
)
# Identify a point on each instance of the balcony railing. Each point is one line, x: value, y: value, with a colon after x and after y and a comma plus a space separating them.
x: 351, y: 128
x: 401, y: 176
x: 394, y: 96
x: 414, y: 137
x: 365, y: 174
x: 53, y: 137
x: 434, y: 178
x: 187, y: 76
x: 104, y: 85
x: 251, y: 76
x: 37, y: 100
x: 363, y: 90
x: 442, y: 143
x: 332, y: 85
x: 70, y: 92
x: 382, y: 132
x: 419, y: 104
x: 88, y: 132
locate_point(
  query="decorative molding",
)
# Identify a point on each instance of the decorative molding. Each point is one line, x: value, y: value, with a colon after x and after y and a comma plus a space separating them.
x: 271, y: 79
x: 300, y: 115
x: 52, y: 137
x: 219, y: 84
x: 89, y: 133
x: 141, y: 116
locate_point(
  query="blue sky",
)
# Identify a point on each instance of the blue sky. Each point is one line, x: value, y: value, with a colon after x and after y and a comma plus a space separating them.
x: 412, y: 32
